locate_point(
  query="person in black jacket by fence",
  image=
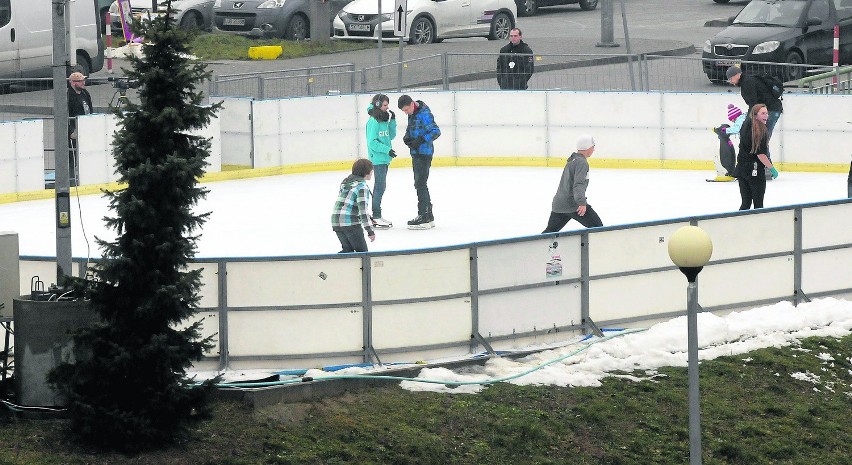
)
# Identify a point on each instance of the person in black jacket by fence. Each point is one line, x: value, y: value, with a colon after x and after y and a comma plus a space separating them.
x: 515, y: 64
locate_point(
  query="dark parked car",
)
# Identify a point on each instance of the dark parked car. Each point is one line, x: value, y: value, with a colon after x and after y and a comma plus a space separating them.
x: 781, y: 31
x: 530, y: 7
x: 287, y: 19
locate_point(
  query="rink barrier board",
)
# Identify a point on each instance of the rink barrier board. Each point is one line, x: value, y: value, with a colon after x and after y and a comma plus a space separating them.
x: 281, y: 134
x: 296, y: 312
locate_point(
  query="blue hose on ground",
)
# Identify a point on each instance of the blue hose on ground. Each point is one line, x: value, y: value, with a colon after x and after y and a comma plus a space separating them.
x: 424, y: 380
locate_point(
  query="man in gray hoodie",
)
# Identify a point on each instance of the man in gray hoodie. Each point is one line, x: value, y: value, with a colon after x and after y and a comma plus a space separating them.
x: 570, y: 199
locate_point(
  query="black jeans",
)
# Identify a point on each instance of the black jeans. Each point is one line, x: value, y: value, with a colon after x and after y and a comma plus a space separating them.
x: 752, y: 189
x: 558, y: 220
x: 351, y: 238
x: 421, y: 165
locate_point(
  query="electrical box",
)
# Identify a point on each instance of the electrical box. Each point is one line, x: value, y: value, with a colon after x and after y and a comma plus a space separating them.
x: 10, y: 280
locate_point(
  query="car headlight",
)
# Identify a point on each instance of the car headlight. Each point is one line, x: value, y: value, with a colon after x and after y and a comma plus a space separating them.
x: 271, y: 4
x: 766, y: 47
x: 708, y: 47
x: 342, y: 14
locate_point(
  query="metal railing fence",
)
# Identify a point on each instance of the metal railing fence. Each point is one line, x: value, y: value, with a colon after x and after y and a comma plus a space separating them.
x: 836, y: 81
x: 294, y: 82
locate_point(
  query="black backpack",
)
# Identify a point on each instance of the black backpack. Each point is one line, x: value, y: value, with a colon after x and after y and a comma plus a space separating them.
x: 775, y: 85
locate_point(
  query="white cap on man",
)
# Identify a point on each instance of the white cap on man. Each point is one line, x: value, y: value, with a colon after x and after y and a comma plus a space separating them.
x: 585, y: 142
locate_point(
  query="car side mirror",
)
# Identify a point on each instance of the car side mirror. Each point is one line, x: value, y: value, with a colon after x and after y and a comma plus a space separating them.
x: 813, y: 22
x: 731, y: 20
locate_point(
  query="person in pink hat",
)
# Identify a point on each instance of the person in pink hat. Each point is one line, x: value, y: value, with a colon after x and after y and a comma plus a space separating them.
x: 727, y: 156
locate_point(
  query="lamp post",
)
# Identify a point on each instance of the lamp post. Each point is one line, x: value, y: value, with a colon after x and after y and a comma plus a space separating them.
x: 690, y: 249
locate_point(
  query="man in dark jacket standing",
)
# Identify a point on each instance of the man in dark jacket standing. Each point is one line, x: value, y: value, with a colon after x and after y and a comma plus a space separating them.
x: 755, y: 91
x: 420, y: 136
x: 515, y: 63
x: 79, y: 103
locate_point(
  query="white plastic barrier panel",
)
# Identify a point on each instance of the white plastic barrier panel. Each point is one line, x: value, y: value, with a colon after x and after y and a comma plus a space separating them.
x: 528, y: 310
x: 421, y: 323
x: 513, y: 133
x: 270, y: 332
x: 528, y: 262
x: 755, y: 233
x: 624, y: 250
x: 22, y: 157
x: 294, y: 282
x: 235, y: 131
x: 95, y: 159
x: 332, y: 137
x: 815, y: 128
x: 420, y: 275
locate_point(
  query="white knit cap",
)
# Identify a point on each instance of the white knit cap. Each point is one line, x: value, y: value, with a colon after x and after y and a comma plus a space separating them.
x: 585, y: 142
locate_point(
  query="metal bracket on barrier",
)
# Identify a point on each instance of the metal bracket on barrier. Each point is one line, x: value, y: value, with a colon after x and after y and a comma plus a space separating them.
x: 802, y: 293
x: 372, y: 352
x: 484, y: 343
x: 594, y: 327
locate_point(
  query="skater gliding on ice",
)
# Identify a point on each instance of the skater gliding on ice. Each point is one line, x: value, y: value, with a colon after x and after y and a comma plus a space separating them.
x: 570, y: 199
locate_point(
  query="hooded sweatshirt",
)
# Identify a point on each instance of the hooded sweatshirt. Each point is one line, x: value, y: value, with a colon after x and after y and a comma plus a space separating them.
x: 350, y: 209
x: 381, y: 130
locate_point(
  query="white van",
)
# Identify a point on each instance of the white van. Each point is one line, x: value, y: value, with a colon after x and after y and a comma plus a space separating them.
x: 26, y: 38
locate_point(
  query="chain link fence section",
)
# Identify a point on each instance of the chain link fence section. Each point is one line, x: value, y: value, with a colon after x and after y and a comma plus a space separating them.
x: 295, y: 82
x: 424, y: 73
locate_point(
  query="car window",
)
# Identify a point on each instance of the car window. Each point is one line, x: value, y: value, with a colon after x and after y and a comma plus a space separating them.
x: 844, y: 8
x: 820, y: 9
x: 5, y: 12
x: 775, y: 13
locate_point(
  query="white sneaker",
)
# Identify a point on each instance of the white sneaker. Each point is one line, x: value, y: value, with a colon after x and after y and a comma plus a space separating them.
x: 381, y: 223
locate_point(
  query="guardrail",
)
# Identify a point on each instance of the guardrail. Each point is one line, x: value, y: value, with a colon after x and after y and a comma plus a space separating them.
x: 382, y: 307
x: 836, y: 81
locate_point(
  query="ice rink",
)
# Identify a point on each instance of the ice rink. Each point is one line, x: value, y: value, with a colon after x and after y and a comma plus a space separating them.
x: 291, y: 214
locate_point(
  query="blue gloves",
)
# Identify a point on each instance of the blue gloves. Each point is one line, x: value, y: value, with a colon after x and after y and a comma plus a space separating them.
x: 773, y: 172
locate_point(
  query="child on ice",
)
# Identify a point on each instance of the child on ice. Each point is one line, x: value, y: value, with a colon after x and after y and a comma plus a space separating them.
x: 727, y: 156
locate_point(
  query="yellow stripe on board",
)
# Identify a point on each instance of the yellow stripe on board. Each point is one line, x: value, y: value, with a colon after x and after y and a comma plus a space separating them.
x: 234, y: 172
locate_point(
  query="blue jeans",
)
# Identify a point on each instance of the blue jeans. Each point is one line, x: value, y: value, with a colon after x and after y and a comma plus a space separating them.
x: 770, y: 123
x: 380, y: 178
x: 421, y: 165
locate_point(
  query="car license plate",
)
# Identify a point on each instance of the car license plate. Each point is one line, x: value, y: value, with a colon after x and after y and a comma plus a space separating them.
x: 359, y: 27
x: 727, y: 63
x: 235, y: 22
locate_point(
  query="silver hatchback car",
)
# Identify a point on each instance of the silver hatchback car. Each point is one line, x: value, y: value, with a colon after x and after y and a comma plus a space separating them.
x: 287, y: 19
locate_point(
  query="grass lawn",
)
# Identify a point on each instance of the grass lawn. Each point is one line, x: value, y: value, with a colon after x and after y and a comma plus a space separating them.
x: 772, y: 406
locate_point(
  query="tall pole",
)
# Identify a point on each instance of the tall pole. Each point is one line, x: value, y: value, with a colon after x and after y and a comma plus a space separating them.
x: 379, y: 28
x: 607, y: 32
x: 692, y: 371
x: 627, y: 41
x: 60, y: 140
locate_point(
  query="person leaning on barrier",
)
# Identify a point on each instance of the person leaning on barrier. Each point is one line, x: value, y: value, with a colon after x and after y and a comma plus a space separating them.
x: 79, y: 103
x: 515, y: 64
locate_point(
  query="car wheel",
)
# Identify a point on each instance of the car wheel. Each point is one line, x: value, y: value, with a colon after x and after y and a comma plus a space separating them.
x: 190, y: 20
x: 83, y: 65
x: 297, y: 28
x: 500, y: 27
x: 528, y: 8
x: 422, y: 31
x: 794, y: 73
x: 588, y: 4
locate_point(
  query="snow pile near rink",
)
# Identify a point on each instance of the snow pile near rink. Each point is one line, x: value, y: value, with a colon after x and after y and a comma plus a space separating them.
x: 662, y: 345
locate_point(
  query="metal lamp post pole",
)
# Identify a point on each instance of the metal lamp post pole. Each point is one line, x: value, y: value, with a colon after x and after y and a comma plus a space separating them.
x: 692, y: 371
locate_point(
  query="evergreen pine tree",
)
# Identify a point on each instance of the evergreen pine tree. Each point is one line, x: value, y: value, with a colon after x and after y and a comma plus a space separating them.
x: 129, y: 388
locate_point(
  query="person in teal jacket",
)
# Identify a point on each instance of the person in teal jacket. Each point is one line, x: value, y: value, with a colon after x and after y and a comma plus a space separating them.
x: 381, y: 130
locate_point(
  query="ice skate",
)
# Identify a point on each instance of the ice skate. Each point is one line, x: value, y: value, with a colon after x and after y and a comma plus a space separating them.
x: 423, y: 221
x: 381, y: 223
